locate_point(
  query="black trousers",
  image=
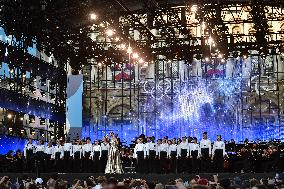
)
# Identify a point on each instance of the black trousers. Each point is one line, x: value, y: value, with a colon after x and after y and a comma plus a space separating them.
x: 77, y: 162
x: 194, y: 161
x: 205, y: 161
x: 58, y: 163
x: 163, y: 162
x: 30, y: 160
x: 152, y: 165
x: 140, y: 162
x: 96, y: 162
x: 173, y: 162
x: 182, y: 164
x: 67, y: 165
x: 104, y: 158
x: 218, y: 161
x: 87, y: 163
x: 48, y: 163
x: 39, y: 158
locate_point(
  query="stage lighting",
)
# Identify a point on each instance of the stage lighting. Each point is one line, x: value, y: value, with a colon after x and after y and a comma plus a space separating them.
x: 93, y: 16
x: 109, y: 32
x: 207, y: 59
x: 141, y: 61
x: 122, y: 46
x: 117, y: 39
x: 135, y: 55
x: 9, y: 116
x: 129, y: 50
x: 194, y: 8
x: 21, y: 118
x: 100, y: 64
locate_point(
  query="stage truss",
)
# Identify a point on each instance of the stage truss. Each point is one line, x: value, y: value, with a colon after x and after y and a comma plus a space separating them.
x: 209, y: 67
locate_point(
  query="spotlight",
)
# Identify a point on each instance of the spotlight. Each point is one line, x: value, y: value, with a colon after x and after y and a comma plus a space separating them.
x: 21, y: 118
x: 129, y: 50
x: 207, y: 59
x: 135, y: 55
x: 93, y: 16
x: 100, y: 64
x: 141, y: 60
x: 194, y: 8
x: 110, y: 32
x: 222, y: 60
x: 9, y: 116
x: 122, y: 46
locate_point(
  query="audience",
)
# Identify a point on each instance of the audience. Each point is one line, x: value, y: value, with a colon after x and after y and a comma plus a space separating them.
x: 102, y: 182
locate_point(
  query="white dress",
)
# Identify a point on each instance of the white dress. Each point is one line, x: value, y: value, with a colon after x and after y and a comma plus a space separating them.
x: 113, y: 162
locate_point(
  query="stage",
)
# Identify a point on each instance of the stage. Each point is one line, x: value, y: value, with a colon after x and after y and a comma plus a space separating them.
x: 163, y: 178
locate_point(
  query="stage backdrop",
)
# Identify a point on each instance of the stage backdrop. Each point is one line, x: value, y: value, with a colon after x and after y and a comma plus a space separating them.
x: 74, y: 105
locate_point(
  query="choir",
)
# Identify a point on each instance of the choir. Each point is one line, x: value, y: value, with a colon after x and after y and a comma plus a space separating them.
x: 165, y: 156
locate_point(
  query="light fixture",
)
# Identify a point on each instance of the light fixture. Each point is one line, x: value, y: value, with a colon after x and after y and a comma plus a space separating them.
x: 21, y: 118
x: 109, y: 32
x: 141, y: 60
x: 9, y: 116
x: 129, y: 50
x: 122, y: 46
x: 93, y: 16
x: 100, y: 64
x: 206, y: 59
x: 194, y: 8
x: 135, y: 55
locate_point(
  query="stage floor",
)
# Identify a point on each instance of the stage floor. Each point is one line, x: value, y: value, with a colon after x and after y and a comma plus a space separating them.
x: 148, y: 177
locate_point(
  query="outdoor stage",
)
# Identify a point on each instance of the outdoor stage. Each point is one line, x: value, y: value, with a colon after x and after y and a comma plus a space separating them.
x: 163, y: 178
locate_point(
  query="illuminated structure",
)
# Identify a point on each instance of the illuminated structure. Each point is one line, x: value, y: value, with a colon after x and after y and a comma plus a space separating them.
x: 229, y: 53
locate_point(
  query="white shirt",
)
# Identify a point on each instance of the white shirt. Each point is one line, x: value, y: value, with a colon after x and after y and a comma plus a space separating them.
x: 59, y: 148
x: 40, y: 148
x: 183, y: 146
x: 162, y: 148
x: 67, y: 147
x: 194, y: 147
x: 140, y: 147
x: 77, y: 148
x: 105, y: 146
x: 49, y: 150
x: 97, y: 148
x: 205, y: 144
x: 29, y: 147
x: 219, y: 145
x: 87, y: 148
x: 172, y: 148
x: 150, y: 146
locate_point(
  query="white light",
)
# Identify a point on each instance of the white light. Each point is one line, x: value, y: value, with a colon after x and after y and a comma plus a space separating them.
x: 194, y: 8
x: 141, y: 60
x: 222, y: 60
x: 135, y: 55
x: 93, y: 16
x: 117, y: 39
x: 206, y: 59
x: 21, y: 119
x: 129, y: 50
x: 210, y: 40
x: 9, y: 116
x: 122, y: 46
x: 110, y: 32
x: 220, y: 56
x: 100, y: 64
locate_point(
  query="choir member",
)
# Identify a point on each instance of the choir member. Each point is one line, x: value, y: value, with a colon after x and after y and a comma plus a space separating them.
x: 67, y: 147
x: 162, y: 152
x: 104, y: 155
x: 218, y: 153
x: 87, y: 152
x: 183, y: 153
x: 96, y: 155
x: 194, y: 151
x: 205, y: 153
x: 40, y: 155
x: 172, y: 155
x: 49, y: 151
x: 29, y: 151
x: 140, y: 154
x: 58, y: 156
x: 150, y: 149
x: 77, y: 155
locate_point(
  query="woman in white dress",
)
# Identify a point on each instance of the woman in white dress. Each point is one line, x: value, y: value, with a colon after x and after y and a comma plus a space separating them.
x: 113, y: 162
